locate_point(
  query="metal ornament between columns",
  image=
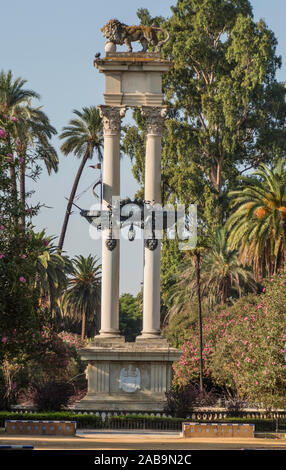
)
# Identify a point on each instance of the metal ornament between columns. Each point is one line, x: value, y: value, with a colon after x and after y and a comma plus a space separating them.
x: 95, y: 218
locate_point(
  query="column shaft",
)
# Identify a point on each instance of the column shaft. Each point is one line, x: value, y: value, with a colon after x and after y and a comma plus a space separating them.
x: 152, y: 257
x: 110, y: 251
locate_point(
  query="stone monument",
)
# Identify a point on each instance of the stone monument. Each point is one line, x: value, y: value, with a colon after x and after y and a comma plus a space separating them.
x: 130, y: 376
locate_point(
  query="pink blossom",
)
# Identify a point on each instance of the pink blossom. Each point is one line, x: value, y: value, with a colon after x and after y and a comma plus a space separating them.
x: 23, y: 256
x: 14, y: 119
x: 22, y: 279
x: 21, y: 160
x: 3, y: 134
x: 4, y: 340
x: 1, y: 255
x: 2, y: 227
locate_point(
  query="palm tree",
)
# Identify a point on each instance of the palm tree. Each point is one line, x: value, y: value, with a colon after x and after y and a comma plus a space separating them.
x: 12, y: 95
x: 32, y: 129
x: 83, y: 136
x: 51, y: 271
x: 196, y: 256
x: 223, y: 275
x: 82, y: 298
x: 258, y: 224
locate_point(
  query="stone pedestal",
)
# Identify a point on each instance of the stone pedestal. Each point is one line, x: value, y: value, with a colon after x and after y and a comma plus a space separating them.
x: 133, y: 78
x: 128, y: 377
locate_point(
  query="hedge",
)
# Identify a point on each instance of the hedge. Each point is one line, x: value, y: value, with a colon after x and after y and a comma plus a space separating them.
x: 83, y: 420
x: 92, y: 421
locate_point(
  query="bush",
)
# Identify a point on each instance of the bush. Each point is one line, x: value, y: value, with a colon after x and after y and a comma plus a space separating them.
x: 181, y: 401
x: 52, y: 395
x: 235, y: 408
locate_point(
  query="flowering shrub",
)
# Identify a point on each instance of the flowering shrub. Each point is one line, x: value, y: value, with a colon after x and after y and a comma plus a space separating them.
x: 73, y: 339
x: 244, y: 347
x: 26, y: 345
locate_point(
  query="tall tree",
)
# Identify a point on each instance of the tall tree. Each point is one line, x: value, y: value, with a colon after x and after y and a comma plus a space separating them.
x: 83, y: 137
x: 227, y: 110
x: 258, y: 221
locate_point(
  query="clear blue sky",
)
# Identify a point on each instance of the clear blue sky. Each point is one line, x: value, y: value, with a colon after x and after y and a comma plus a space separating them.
x: 52, y: 45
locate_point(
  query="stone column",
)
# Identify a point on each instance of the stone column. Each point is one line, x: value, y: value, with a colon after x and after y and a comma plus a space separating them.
x: 152, y: 251
x: 110, y: 245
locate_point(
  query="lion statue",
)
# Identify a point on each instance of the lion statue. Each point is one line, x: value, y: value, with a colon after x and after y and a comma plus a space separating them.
x: 120, y: 33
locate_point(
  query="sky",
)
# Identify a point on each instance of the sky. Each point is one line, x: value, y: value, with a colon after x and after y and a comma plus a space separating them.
x: 52, y: 45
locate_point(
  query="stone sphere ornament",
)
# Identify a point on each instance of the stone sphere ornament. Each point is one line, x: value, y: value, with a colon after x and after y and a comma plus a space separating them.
x: 110, y: 47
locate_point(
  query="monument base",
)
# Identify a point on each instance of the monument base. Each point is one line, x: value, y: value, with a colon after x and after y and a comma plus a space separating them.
x: 128, y: 376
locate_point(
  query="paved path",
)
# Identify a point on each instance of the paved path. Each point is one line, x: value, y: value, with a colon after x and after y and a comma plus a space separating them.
x: 139, y: 441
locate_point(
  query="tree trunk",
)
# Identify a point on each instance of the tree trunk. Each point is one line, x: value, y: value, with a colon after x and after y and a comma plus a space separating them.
x: 70, y: 201
x: 83, y: 326
x: 198, y: 273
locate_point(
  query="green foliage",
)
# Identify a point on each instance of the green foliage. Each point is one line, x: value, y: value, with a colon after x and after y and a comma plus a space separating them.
x: 130, y: 317
x: 223, y: 87
x: 244, y: 347
x: 171, y: 259
x: 222, y: 280
x: 227, y: 111
x: 177, y: 330
x: 32, y: 276
x: 258, y: 222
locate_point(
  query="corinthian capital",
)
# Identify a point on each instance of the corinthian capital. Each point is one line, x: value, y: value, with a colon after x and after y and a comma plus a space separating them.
x: 154, y: 118
x: 111, y: 118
